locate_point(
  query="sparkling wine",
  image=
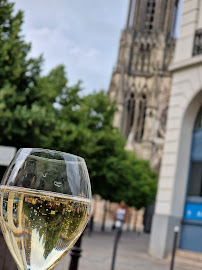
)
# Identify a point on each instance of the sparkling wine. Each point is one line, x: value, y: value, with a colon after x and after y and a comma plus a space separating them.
x: 39, y: 226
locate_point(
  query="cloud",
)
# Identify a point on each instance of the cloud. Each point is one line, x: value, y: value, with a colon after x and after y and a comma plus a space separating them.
x: 82, y: 35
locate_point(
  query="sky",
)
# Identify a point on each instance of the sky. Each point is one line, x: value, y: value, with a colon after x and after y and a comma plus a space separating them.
x: 82, y: 35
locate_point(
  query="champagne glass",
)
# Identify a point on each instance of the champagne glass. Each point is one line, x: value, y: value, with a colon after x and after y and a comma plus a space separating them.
x: 45, y: 205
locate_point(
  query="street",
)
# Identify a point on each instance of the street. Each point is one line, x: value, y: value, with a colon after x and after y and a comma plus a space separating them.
x: 132, y: 253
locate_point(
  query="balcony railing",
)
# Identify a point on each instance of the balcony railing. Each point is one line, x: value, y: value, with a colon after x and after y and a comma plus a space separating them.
x: 197, y: 42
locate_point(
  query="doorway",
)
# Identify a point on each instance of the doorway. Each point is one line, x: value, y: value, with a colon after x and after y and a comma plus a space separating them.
x: 191, y: 234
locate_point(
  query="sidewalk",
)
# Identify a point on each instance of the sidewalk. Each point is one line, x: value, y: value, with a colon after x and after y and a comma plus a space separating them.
x: 131, y: 255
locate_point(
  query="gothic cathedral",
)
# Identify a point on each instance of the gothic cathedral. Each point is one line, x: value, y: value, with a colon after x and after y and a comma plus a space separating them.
x: 141, y: 81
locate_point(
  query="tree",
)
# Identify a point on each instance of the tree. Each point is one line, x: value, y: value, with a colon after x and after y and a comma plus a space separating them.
x: 141, y: 183
x: 115, y: 174
x: 15, y: 69
x: 89, y: 132
x: 27, y: 113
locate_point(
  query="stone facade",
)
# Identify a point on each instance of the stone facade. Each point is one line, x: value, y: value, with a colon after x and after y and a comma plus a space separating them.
x: 134, y: 218
x: 185, y: 102
x: 141, y: 81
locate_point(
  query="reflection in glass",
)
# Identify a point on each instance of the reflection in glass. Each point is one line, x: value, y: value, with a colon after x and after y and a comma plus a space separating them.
x: 45, y: 204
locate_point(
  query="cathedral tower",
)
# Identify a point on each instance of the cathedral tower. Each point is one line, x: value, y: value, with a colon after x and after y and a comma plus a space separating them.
x: 141, y: 81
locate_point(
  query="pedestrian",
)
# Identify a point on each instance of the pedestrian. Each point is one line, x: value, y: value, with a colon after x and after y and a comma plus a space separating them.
x: 120, y: 215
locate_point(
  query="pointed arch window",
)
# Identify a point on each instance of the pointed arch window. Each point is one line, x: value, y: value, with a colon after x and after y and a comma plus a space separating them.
x: 135, y: 120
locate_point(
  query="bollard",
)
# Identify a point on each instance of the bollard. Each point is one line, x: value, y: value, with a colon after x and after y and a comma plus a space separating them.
x: 104, y: 217
x: 6, y: 260
x: 117, y: 237
x: 176, y: 232
x: 90, y: 225
x: 75, y: 254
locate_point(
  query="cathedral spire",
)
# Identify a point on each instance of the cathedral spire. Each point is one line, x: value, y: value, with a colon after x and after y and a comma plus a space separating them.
x: 152, y: 16
x: 146, y: 50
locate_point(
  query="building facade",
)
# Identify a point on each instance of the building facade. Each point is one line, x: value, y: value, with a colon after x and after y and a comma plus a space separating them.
x: 179, y: 196
x: 141, y: 81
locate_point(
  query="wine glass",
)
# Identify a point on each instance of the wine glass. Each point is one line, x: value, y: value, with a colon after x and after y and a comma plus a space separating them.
x: 45, y: 205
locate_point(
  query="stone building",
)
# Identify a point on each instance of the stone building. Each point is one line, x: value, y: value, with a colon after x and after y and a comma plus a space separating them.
x: 179, y: 197
x: 141, y: 81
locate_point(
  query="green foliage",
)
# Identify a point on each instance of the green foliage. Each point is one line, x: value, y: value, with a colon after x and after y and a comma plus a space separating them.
x: 22, y: 118
x: 141, y: 182
x: 92, y: 135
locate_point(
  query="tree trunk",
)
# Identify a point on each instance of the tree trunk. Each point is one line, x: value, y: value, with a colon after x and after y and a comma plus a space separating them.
x: 129, y: 220
x: 104, y: 217
x: 135, y: 223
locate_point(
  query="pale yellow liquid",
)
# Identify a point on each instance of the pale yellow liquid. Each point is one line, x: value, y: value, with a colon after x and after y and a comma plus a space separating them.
x: 40, y: 227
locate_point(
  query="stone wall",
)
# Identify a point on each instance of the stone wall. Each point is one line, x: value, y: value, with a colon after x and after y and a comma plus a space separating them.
x: 131, y: 216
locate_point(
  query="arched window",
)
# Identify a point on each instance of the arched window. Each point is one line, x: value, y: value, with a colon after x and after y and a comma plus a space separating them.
x: 135, y: 116
x: 191, y: 224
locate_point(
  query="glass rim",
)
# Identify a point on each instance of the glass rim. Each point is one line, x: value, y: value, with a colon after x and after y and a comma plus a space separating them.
x: 64, y: 154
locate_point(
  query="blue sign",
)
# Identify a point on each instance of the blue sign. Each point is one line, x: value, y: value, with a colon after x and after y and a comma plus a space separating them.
x: 193, y: 211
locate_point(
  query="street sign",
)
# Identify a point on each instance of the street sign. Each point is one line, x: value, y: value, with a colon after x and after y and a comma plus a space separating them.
x: 6, y: 155
x: 193, y: 211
